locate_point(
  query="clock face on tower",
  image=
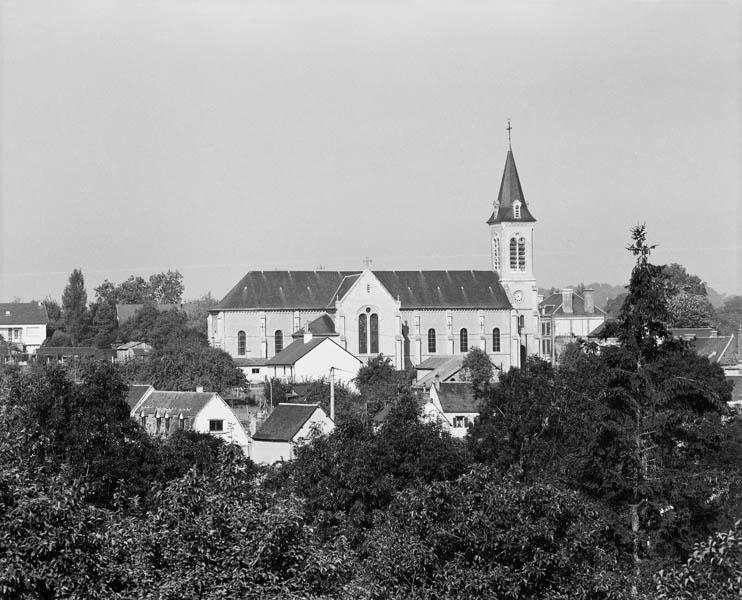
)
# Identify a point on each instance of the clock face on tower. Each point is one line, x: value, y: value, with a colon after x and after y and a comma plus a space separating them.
x: 518, y: 296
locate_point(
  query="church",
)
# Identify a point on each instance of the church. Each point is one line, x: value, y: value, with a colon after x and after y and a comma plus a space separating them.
x: 408, y: 316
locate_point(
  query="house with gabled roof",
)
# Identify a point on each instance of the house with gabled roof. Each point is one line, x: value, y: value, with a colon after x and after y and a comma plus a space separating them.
x: 136, y: 394
x: 162, y: 413
x: 23, y: 324
x: 458, y: 405
x: 408, y: 316
x: 309, y: 357
x: 288, y: 426
x: 565, y: 317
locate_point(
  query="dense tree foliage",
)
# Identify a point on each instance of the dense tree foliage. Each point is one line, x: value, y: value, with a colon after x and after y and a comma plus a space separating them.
x: 74, y: 307
x: 184, y: 364
x: 479, y: 370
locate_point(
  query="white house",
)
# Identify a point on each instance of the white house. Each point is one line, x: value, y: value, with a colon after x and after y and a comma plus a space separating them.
x: 131, y: 350
x: 565, y: 317
x: 23, y: 324
x: 309, y: 357
x: 288, y: 426
x: 457, y: 404
x: 163, y: 413
x: 408, y: 316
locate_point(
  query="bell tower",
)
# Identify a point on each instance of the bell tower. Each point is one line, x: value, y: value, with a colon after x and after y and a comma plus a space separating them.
x: 511, y: 229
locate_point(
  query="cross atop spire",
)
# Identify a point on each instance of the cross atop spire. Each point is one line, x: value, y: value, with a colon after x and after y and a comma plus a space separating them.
x: 509, y: 129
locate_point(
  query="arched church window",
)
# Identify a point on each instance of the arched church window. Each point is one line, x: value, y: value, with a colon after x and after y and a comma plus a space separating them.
x: 278, y: 337
x: 496, y: 339
x: 496, y: 254
x: 374, y: 333
x: 362, y: 334
x: 521, y: 323
x: 241, y: 343
x: 522, y: 254
x: 513, y: 254
x: 464, y: 340
x: 431, y: 341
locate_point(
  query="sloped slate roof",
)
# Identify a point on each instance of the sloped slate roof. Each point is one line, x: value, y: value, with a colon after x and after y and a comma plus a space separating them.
x: 66, y: 351
x: 444, y: 371
x: 22, y: 313
x: 445, y: 289
x: 321, y: 326
x: 135, y: 394
x: 433, y: 362
x: 317, y: 290
x: 714, y: 348
x: 510, y: 191
x: 553, y: 306
x: 249, y: 362
x: 457, y: 398
x: 284, y: 289
x: 294, y: 351
x: 284, y: 422
x: 187, y: 403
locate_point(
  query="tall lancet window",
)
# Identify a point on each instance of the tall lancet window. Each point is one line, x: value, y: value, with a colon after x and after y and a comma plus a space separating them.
x: 464, y: 340
x: 374, y: 330
x: 513, y: 254
x: 278, y: 336
x: 522, y: 254
x: 241, y: 343
x: 496, y: 254
x: 516, y: 210
x: 496, y: 339
x: 431, y: 341
x: 362, y: 334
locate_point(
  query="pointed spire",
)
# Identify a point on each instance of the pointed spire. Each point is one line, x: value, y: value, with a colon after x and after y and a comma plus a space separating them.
x: 511, y: 194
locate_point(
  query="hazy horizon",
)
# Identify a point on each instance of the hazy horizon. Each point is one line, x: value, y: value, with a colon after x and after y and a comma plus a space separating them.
x: 226, y: 136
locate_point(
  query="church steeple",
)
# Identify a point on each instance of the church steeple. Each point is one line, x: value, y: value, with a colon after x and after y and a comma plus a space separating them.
x: 511, y: 204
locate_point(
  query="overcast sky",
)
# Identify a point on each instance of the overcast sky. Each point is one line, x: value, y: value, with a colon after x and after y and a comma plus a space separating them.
x: 216, y: 137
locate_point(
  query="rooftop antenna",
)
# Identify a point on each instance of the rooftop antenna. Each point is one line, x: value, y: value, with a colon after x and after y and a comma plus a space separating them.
x: 509, y: 129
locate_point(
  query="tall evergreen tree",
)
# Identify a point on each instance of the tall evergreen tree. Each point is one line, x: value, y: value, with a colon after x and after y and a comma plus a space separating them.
x: 75, y: 306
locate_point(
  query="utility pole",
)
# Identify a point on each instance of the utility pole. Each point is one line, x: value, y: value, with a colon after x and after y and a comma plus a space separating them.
x: 332, y: 393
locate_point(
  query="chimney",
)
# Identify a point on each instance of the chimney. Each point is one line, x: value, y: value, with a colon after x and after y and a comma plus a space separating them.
x: 589, y: 301
x: 567, y: 300
x: 437, y: 381
x: 307, y: 333
x: 199, y: 389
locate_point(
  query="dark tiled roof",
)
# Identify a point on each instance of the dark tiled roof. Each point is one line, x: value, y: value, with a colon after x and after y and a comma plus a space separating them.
x: 124, y: 312
x: 433, y: 362
x: 448, y: 369
x: 322, y: 326
x: 294, y: 351
x: 284, y: 422
x: 318, y: 289
x: 22, y: 313
x: 135, y: 394
x: 189, y: 404
x: 510, y: 191
x: 284, y: 289
x: 66, y: 351
x: 714, y: 348
x: 457, y: 398
x: 249, y: 362
x: 553, y: 306
x: 445, y: 289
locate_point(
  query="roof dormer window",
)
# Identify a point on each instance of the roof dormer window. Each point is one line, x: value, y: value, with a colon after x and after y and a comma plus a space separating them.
x: 516, y: 209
